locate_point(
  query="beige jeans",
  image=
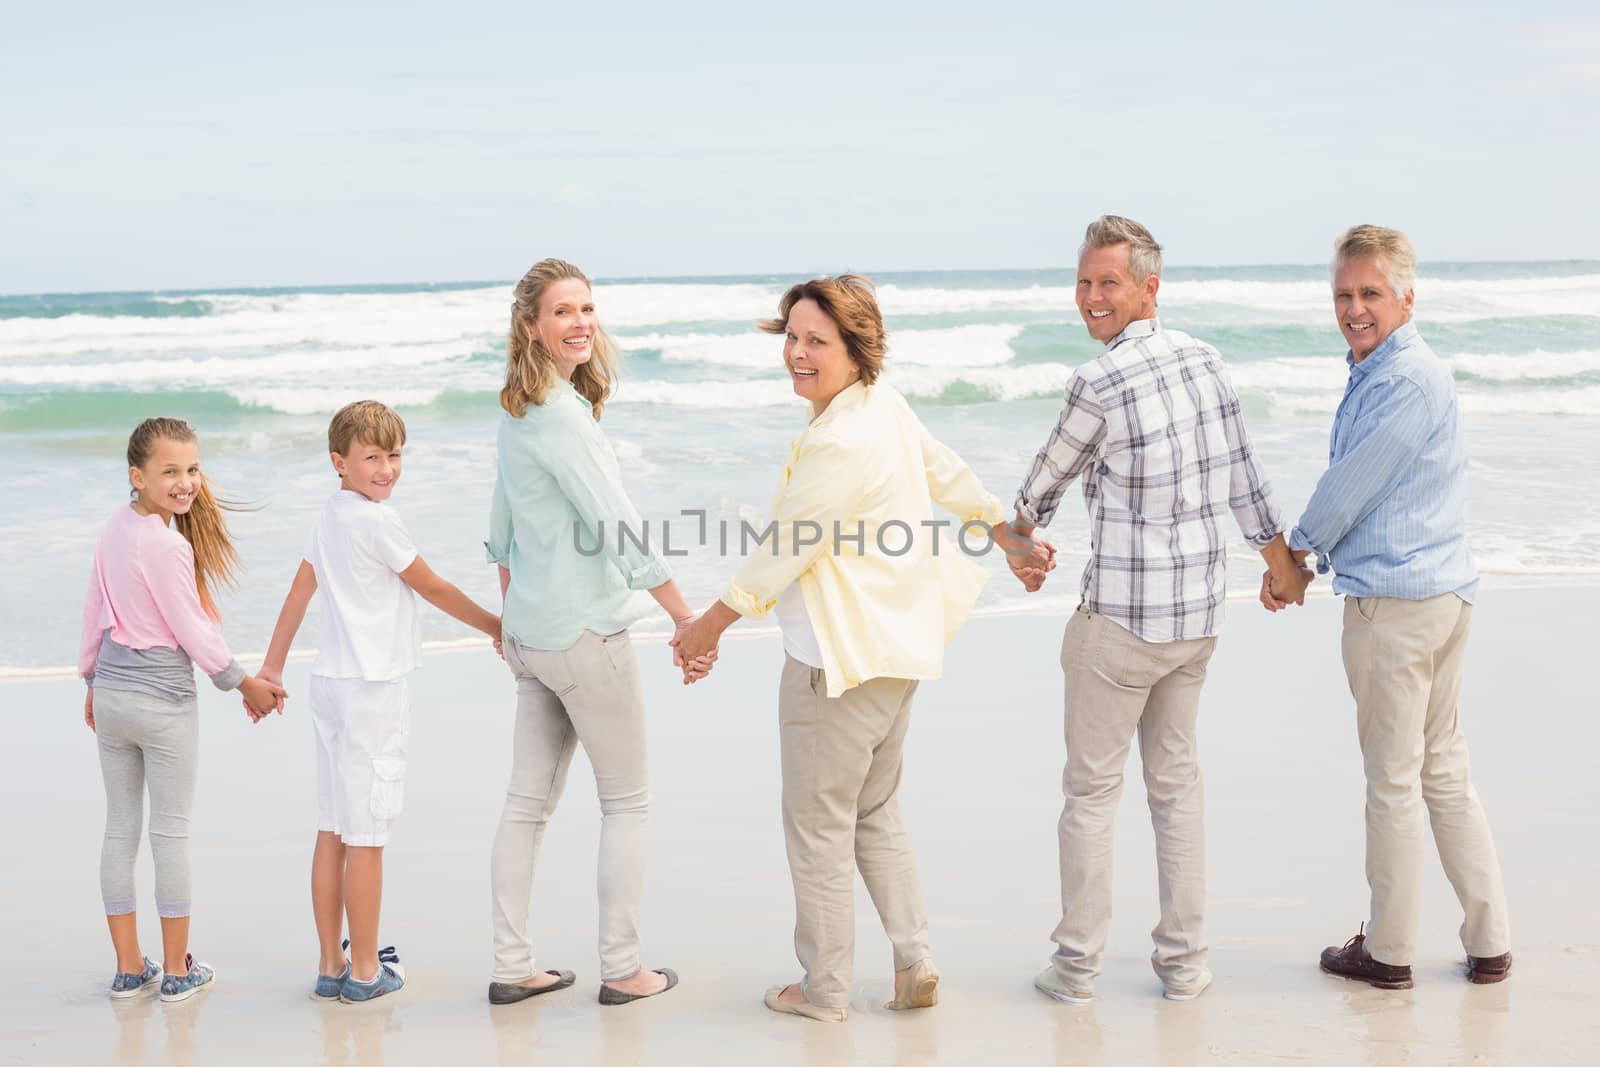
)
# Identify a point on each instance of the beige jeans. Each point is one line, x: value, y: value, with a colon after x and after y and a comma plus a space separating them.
x: 1119, y: 686
x: 588, y: 693
x: 1404, y: 661
x: 841, y: 813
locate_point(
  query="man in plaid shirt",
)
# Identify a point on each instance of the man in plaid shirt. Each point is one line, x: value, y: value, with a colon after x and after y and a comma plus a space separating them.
x: 1154, y: 428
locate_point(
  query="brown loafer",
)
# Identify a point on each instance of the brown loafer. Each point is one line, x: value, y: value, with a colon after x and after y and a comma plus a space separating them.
x: 1486, y: 970
x: 1353, y: 961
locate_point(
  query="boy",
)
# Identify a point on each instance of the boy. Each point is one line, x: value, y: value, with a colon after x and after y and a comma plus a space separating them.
x: 363, y: 560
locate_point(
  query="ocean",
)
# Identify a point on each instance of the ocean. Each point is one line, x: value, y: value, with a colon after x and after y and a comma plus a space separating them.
x: 704, y: 415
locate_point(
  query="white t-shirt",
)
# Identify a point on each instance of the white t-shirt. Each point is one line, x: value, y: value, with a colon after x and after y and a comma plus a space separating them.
x: 799, y: 636
x: 369, y: 619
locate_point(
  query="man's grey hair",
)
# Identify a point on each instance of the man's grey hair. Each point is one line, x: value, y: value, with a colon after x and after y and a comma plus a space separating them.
x: 1144, y: 255
x: 1391, y: 248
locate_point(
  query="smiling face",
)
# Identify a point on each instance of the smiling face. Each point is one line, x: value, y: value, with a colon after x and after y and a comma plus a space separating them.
x: 566, y: 324
x: 169, y: 479
x: 1366, y: 305
x: 1108, y: 296
x: 814, y: 350
x: 368, y: 469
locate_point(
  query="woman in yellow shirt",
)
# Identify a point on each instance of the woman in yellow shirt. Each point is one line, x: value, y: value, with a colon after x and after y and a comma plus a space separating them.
x: 867, y: 596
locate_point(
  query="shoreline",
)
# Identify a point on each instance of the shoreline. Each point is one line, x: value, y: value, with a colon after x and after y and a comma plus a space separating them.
x: 1060, y: 605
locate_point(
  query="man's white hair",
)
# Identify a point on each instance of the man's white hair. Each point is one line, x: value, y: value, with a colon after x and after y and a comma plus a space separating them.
x: 1391, y: 248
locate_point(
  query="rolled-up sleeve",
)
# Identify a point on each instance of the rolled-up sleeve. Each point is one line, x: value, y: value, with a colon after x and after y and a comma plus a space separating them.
x: 1072, y: 446
x: 1249, y: 494
x: 826, y: 481
x: 585, y: 467
x: 1387, y: 435
x: 498, y: 547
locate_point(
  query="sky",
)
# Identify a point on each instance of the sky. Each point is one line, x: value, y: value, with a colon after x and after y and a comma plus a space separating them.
x: 193, y: 145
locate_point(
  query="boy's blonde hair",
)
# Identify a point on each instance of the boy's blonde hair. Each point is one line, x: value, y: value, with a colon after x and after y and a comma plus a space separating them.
x: 365, y: 420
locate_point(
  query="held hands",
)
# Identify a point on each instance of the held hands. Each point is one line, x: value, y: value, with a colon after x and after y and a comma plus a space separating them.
x: 88, y: 708
x: 263, y: 694
x: 694, y: 647
x: 1278, y: 591
x: 1030, y: 558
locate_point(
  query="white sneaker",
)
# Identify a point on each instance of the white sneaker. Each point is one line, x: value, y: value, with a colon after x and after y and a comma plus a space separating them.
x: 1189, y: 992
x: 1050, y: 984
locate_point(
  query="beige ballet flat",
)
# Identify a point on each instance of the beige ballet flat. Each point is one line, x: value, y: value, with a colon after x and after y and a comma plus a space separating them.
x: 915, y: 987
x: 808, y: 1009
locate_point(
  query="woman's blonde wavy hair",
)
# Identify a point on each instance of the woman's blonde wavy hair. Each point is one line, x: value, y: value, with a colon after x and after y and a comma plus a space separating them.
x: 204, y: 526
x: 530, y: 368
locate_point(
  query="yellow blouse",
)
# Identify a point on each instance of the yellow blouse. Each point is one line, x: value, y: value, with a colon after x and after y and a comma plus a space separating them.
x: 855, y: 525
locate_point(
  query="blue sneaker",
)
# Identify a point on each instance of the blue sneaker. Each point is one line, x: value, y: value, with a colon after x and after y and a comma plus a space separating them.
x: 391, y: 978
x: 328, y: 986
x: 176, y: 987
x: 126, y: 985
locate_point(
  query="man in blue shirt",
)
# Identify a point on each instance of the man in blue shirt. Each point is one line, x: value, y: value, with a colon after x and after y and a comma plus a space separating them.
x: 1389, y: 518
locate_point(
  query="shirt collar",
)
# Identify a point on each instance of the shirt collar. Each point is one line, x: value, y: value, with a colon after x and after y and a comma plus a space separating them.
x: 1402, y: 337
x: 849, y: 398
x: 1135, y: 330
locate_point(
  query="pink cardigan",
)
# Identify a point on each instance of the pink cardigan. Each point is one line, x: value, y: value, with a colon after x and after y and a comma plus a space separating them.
x: 143, y: 590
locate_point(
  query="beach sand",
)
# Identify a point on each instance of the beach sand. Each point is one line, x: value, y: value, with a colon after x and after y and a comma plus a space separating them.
x: 981, y: 798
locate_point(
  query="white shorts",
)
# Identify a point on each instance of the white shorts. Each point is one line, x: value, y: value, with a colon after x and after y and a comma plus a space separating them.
x: 361, y: 729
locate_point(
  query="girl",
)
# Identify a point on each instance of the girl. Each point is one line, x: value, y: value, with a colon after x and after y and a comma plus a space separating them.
x: 148, y: 618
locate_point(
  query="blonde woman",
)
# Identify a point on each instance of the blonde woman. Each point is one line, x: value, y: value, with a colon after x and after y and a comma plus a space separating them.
x: 863, y: 623
x: 565, y: 623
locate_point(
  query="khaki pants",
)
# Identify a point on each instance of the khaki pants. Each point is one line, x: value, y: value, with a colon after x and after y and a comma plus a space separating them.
x: 588, y: 693
x: 1118, y: 685
x: 1404, y: 661
x: 841, y: 813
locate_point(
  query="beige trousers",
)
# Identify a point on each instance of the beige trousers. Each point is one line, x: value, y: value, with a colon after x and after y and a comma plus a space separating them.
x: 1404, y: 659
x: 588, y: 693
x: 841, y: 813
x: 1119, y: 686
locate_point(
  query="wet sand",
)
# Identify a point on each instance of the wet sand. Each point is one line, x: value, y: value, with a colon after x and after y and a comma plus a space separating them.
x: 981, y: 793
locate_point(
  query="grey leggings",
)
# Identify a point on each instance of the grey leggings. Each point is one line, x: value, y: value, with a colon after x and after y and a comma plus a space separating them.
x: 146, y: 740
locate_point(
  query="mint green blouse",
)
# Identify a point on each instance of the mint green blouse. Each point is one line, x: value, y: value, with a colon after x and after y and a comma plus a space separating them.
x: 554, y: 524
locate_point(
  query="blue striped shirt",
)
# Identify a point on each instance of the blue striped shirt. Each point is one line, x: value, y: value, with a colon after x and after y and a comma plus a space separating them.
x: 1390, y: 512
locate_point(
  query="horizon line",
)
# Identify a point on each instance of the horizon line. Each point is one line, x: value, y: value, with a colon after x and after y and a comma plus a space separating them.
x: 469, y: 283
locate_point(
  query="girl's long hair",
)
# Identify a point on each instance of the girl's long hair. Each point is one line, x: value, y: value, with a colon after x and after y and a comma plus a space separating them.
x: 530, y: 368
x: 204, y: 526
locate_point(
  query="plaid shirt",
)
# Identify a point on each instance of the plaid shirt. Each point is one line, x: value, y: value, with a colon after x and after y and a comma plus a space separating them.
x: 1154, y: 427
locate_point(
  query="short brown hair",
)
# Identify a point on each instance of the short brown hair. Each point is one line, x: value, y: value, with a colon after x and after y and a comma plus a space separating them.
x: 850, y: 301
x: 365, y: 420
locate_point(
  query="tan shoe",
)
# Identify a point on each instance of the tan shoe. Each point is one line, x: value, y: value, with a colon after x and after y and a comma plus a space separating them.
x: 915, y: 987
x: 806, y: 1009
